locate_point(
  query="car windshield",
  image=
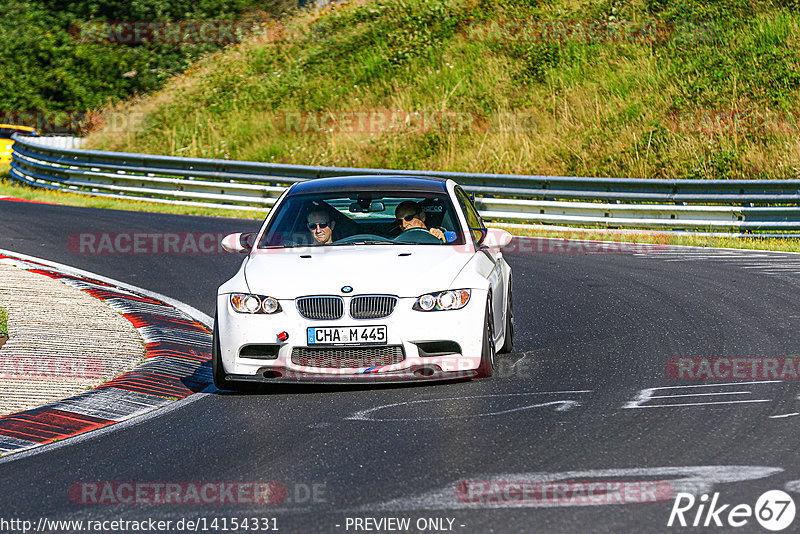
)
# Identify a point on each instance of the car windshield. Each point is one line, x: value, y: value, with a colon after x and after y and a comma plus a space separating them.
x: 6, y: 132
x: 364, y: 218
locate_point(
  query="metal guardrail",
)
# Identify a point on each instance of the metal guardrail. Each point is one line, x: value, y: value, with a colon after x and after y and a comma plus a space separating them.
x: 745, y: 205
x: 60, y: 141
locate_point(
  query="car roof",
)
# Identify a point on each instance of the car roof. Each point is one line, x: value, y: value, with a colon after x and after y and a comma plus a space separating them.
x: 17, y: 127
x: 370, y: 183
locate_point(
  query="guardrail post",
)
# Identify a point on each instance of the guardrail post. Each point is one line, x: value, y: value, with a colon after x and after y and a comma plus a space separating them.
x: 621, y: 202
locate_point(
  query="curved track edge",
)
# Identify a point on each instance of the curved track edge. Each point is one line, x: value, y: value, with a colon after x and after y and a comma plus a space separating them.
x: 177, y: 362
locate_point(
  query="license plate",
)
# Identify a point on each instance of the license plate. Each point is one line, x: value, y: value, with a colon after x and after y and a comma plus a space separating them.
x: 347, y: 335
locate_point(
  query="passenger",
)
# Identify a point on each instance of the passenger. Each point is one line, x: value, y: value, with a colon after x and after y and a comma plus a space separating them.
x: 411, y: 216
x: 321, y: 226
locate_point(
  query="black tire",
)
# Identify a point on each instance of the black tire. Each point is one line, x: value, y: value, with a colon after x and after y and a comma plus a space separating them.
x: 218, y: 373
x: 508, y: 342
x: 488, y: 350
x: 216, y: 361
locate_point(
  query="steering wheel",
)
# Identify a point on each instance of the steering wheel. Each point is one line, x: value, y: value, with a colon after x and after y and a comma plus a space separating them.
x: 417, y: 235
x: 363, y: 237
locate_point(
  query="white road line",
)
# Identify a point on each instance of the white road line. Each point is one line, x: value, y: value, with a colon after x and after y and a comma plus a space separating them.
x: 524, y: 355
x: 772, y: 266
x: 703, y: 255
x: 755, y: 261
x: 646, y: 395
x: 678, y: 260
x: 716, y: 255
x: 561, y: 405
x: 697, y: 403
x: 717, y: 385
x: 732, y: 261
x: 700, y: 394
x: 721, y: 257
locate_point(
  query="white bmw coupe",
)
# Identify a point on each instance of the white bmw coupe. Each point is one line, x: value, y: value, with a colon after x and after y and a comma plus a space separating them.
x: 365, y: 279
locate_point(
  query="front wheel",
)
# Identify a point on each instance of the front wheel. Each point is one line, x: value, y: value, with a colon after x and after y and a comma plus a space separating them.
x: 488, y: 350
x: 217, y: 371
x: 508, y: 342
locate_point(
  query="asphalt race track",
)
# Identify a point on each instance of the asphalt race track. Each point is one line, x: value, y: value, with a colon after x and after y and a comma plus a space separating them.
x: 587, y: 397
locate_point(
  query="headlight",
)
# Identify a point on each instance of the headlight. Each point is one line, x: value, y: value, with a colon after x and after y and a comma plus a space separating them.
x: 452, y: 299
x: 246, y: 303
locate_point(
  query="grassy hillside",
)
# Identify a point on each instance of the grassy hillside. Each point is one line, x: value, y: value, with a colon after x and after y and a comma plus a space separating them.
x: 642, y: 88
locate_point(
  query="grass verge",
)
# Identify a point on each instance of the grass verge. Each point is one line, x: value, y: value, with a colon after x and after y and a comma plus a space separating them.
x: 456, y: 85
x: 750, y: 243
x: 3, y: 322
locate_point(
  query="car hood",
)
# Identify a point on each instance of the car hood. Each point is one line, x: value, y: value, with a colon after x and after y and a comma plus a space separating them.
x: 405, y: 271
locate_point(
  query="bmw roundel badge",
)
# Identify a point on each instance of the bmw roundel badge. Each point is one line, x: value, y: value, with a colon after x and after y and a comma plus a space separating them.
x: 347, y: 289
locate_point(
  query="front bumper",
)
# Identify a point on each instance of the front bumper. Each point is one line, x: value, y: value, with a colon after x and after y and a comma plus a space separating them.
x: 279, y: 375
x: 405, y: 327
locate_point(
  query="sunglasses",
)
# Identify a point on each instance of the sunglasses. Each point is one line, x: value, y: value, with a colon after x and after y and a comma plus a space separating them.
x: 409, y: 218
x: 313, y: 226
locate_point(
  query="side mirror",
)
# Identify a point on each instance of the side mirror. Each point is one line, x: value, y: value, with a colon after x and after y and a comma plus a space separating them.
x: 495, y: 238
x: 479, y: 234
x: 239, y: 242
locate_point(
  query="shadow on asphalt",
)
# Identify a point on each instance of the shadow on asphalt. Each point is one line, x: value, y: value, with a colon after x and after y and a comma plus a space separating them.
x: 301, y: 389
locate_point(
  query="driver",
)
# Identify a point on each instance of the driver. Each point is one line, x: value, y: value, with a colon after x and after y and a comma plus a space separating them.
x: 411, y: 216
x: 321, y: 226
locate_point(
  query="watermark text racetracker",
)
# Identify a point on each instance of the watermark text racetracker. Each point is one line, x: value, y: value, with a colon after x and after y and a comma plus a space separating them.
x: 488, y: 492
x: 51, y: 367
x: 192, y: 493
x: 588, y: 31
x: 359, y: 121
x: 145, y: 243
x: 211, y: 243
x: 726, y: 368
x: 572, y: 245
x: 181, y: 32
x: 394, y: 121
x: 743, y: 121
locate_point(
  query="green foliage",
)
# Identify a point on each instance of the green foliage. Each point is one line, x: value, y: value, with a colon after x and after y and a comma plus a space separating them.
x: 3, y: 322
x: 417, y: 27
x: 48, y: 66
x: 757, y: 61
x: 599, y: 103
x: 535, y: 60
x: 377, y: 39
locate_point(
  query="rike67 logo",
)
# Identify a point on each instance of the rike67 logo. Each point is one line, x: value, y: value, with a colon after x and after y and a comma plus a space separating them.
x: 774, y: 510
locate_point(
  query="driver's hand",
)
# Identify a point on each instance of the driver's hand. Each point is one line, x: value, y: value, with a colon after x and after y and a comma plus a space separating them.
x: 438, y: 234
